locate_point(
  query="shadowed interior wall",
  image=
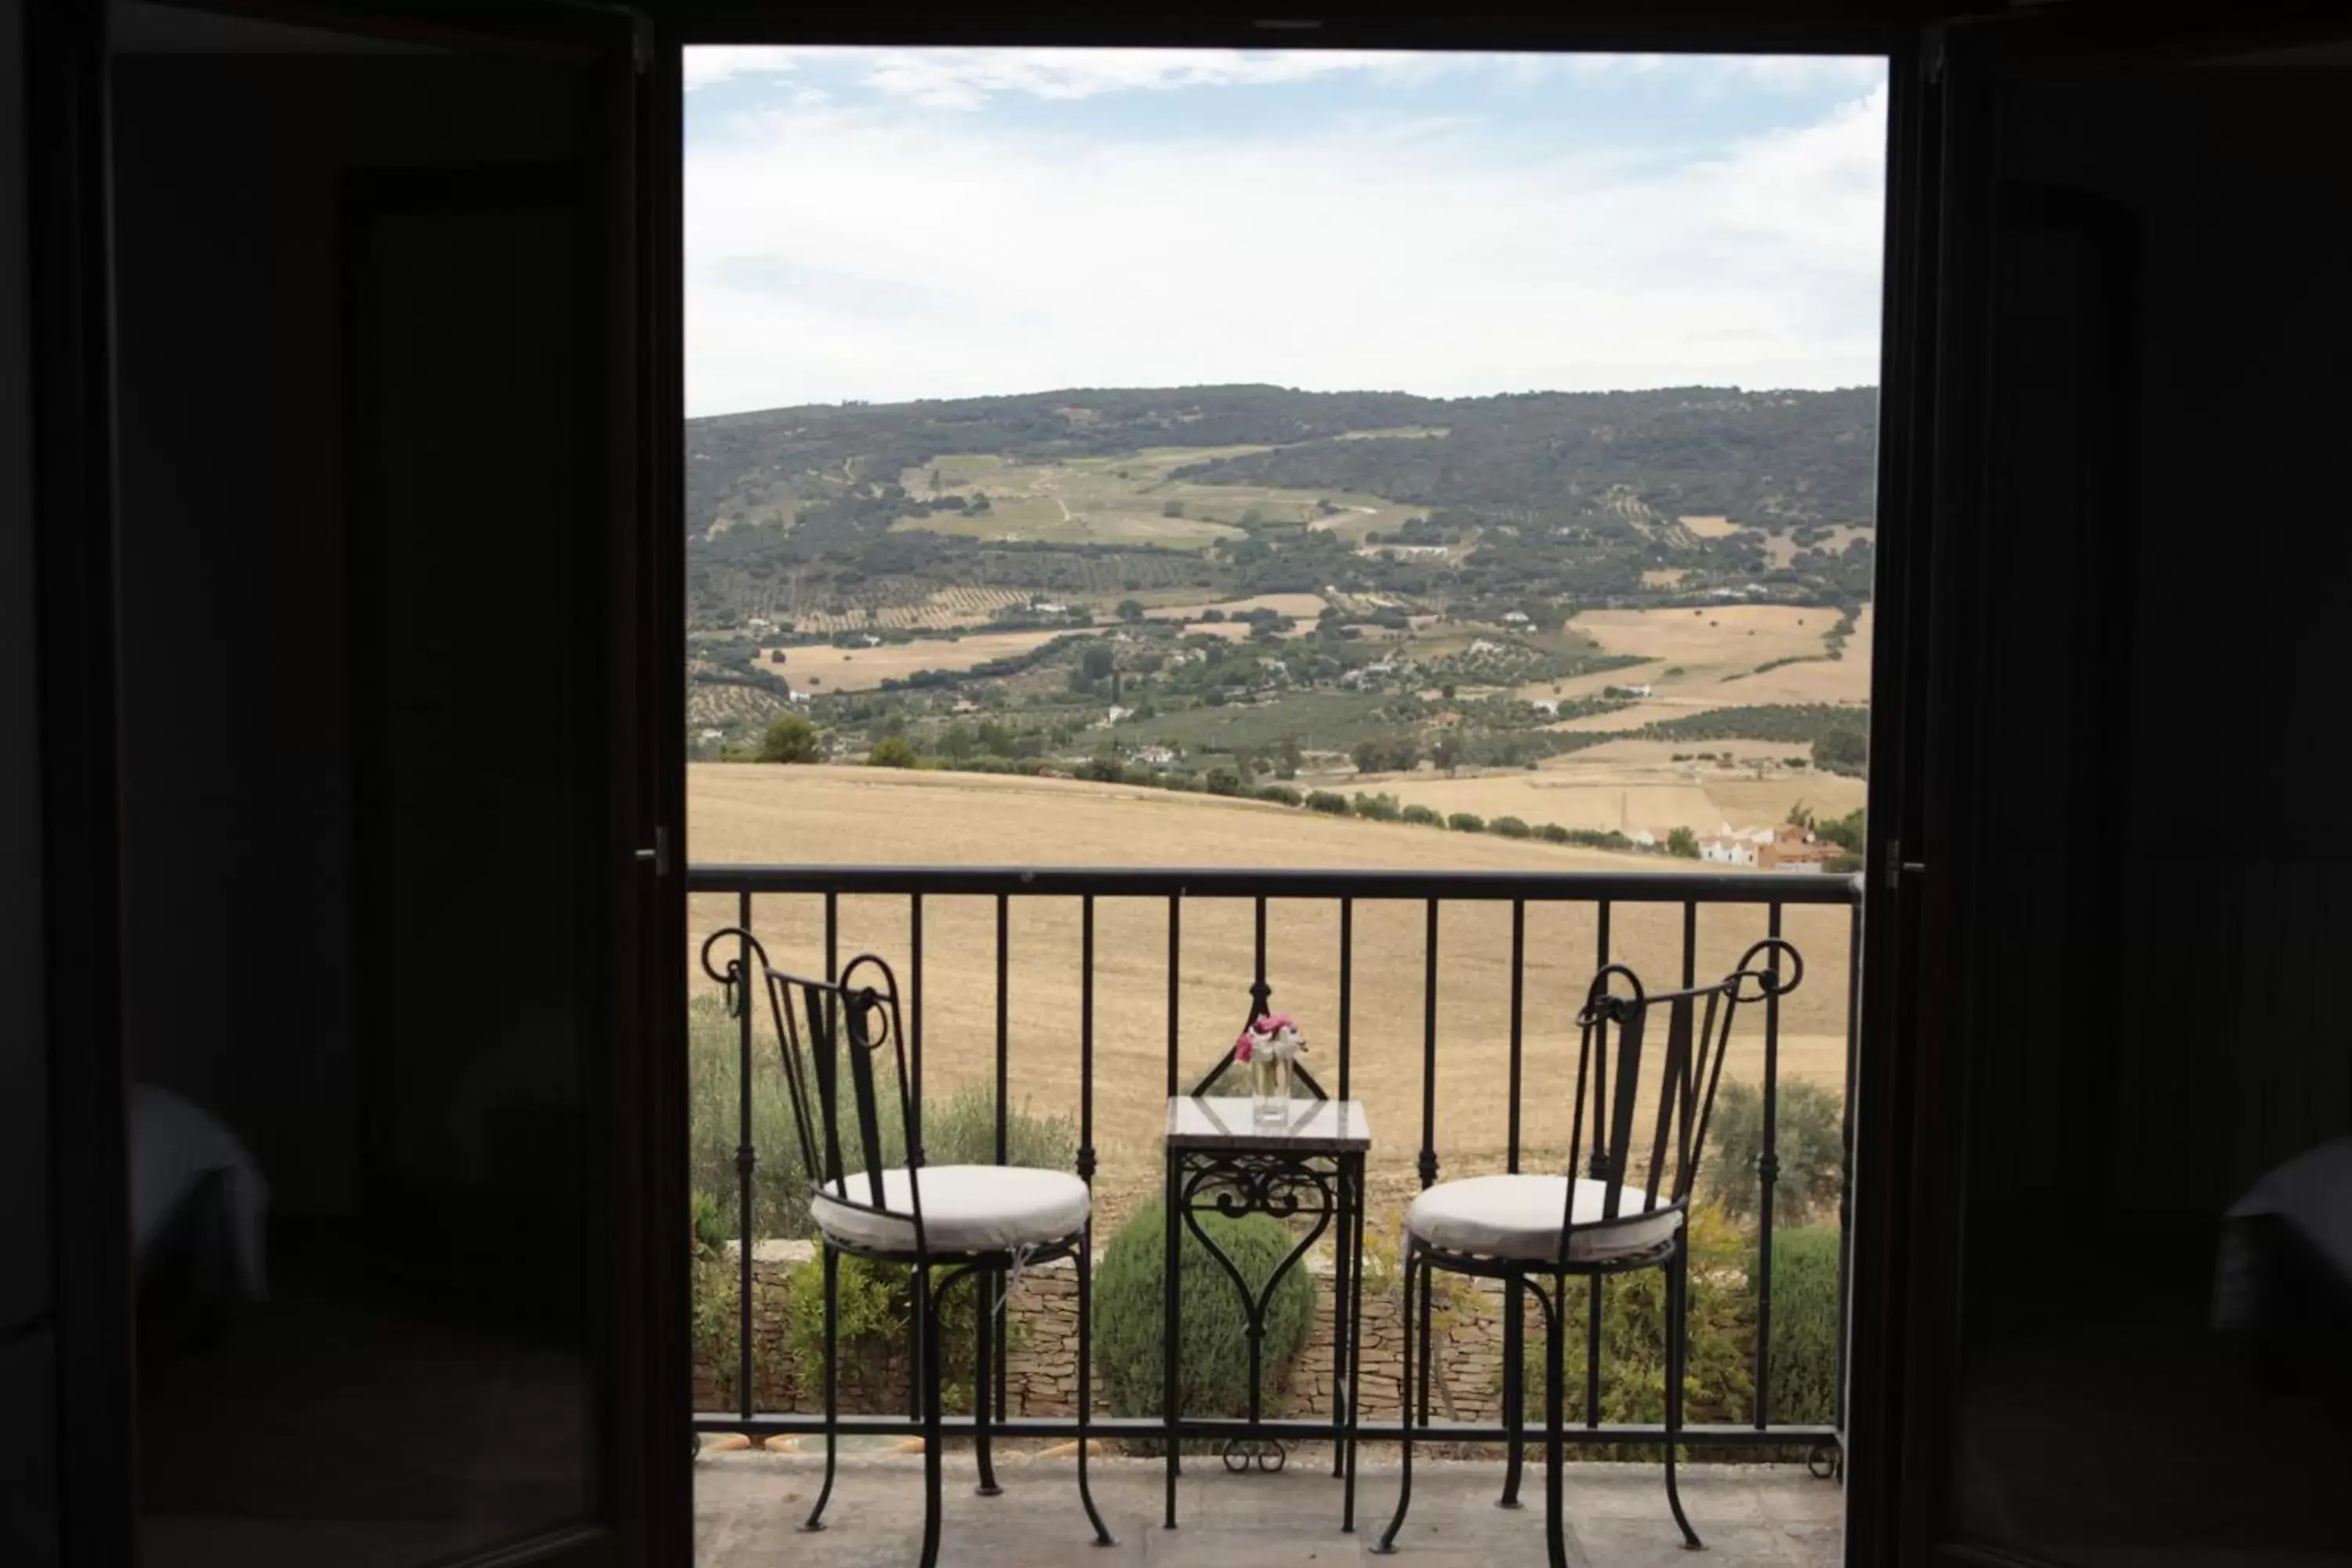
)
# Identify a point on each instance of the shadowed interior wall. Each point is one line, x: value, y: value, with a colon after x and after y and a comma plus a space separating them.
x: 2153, y: 1017
x: 28, y: 1337
x: 356, y: 361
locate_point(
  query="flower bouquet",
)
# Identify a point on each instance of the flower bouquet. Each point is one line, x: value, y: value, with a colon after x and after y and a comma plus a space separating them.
x: 1265, y: 1050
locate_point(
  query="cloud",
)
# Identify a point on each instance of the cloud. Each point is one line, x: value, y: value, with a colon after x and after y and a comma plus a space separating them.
x: 710, y: 66
x: 839, y: 251
x: 968, y: 79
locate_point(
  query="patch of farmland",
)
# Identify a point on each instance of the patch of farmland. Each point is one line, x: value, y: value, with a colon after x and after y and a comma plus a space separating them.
x: 822, y: 668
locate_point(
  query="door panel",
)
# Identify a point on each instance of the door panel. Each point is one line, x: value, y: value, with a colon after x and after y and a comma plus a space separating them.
x: 385, y: 591
x: 2113, y: 1330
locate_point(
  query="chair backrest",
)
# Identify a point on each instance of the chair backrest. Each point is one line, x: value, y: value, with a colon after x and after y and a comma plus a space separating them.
x: 829, y: 1032
x: 1616, y: 1026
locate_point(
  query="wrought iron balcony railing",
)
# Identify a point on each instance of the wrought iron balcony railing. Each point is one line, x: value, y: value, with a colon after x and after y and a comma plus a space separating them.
x: 1668, y: 906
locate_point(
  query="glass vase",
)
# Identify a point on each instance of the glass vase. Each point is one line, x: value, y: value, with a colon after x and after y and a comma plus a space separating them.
x: 1269, y: 1081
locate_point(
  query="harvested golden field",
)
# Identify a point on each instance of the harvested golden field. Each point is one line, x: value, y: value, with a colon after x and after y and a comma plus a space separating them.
x: 1748, y: 802
x: 1711, y: 527
x: 1724, y: 637
x: 1661, y: 753
x: 1573, y: 798
x: 1781, y: 549
x: 1709, y: 658
x: 748, y: 813
x: 1629, y: 784
x: 827, y: 668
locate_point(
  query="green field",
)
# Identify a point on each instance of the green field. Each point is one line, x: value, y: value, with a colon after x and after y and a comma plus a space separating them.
x: 1126, y: 498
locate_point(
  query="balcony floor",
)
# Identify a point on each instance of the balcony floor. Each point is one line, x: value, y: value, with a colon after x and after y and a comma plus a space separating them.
x: 746, y: 1505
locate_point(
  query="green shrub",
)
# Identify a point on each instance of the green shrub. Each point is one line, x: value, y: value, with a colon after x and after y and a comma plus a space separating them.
x: 1101, y: 770
x: 1552, y: 833
x: 1466, y: 822
x: 873, y: 1306
x: 1376, y: 807
x: 1804, y: 1357
x: 712, y: 1294
x: 960, y: 1130
x: 890, y: 752
x: 1280, y: 795
x: 1510, y: 828
x: 1214, y: 1360
x: 1810, y: 1143
x: 1224, y: 781
x: 1329, y: 801
x: 1422, y: 815
x: 875, y: 1298
x: 1717, y: 1386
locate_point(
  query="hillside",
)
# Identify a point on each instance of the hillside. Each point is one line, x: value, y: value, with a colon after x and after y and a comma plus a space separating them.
x: 1239, y: 588
x: 1587, y: 498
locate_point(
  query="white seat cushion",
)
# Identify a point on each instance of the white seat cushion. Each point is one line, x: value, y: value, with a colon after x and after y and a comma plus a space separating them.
x: 966, y: 1208
x: 1519, y: 1217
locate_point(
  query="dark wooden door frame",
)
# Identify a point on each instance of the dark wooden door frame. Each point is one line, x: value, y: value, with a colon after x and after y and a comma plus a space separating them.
x: 1936, y: 476
x: 648, y: 1479
x: 68, y: 272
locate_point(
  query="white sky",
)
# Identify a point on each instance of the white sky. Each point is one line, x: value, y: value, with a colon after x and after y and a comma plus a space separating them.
x: 899, y: 223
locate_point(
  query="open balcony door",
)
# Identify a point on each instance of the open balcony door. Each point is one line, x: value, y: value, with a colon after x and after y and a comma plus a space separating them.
x: 383, y: 378
x: 2115, y: 329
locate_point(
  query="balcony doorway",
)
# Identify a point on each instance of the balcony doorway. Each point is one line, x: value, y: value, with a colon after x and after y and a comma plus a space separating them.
x: 1175, y: 535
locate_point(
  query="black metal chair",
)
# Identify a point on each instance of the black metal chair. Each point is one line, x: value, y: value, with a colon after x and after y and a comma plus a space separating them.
x: 1538, y: 1231
x: 980, y: 1222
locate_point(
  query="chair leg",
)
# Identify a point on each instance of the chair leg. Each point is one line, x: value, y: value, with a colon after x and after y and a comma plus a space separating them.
x: 1354, y: 1286
x: 1086, y: 1382
x: 1555, y: 1403
x: 934, y: 1428
x: 1339, y: 1275
x: 1514, y: 1388
x: 1677, y: 1349
x: 816, y: 1520
x: 1405, y: 1381
x: 983, y: 1380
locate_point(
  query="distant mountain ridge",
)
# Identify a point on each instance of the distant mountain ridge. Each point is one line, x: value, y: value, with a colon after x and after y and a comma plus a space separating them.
x: 1759, y: 458
x: 1563, y: 498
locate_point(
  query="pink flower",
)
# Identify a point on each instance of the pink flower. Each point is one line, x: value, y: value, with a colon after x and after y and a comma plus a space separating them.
x: 1242, y: 1049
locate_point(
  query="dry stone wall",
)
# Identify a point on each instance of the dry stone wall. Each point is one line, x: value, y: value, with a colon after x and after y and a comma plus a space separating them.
x: 1042, y: 1370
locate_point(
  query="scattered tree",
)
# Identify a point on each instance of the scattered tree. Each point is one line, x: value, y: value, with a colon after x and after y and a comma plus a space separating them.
x: 1682, y: 842
x: 891, y: 752
x: 1841, y: 751
x: 790, y: 738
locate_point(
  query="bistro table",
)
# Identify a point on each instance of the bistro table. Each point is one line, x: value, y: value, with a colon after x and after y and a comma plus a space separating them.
x: 1222, y: 1160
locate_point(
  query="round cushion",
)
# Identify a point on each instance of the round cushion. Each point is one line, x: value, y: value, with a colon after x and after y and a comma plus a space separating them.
x: 966, y: 1208
x: 1519, y: 1217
